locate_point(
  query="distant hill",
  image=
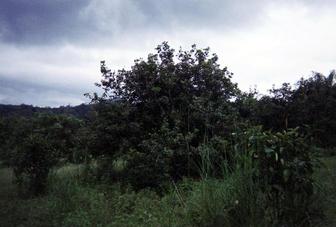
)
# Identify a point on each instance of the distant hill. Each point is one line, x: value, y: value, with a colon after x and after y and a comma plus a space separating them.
x: 80, y: 111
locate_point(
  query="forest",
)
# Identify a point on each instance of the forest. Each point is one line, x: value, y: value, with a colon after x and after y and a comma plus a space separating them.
x: 173, y: 141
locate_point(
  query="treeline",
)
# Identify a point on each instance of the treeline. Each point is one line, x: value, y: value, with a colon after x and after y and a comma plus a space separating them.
x: 80, y: 111
x: 178, y: 115
x: 310, y: 104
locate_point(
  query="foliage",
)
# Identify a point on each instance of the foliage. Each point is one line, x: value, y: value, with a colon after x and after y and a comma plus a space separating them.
x: 283, y: 166
x: 266, y: 177
x: 161, y: 110
x: 8, y: 111
x: 161, y: 158
x: 39, y: 144
x: 4, y: 144
x: 34, y: 159
x: 315, y: 102
x: 235, y: 200
x: 310, y: 103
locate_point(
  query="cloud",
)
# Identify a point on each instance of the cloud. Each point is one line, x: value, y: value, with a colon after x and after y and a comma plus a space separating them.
x: 22, y: 92
x: 48, y: 22
x: 39, y: 22
x: 100, y: 22
x: 47, y: 75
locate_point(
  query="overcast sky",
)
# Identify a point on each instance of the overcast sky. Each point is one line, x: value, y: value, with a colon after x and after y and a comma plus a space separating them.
x: 50, y: 50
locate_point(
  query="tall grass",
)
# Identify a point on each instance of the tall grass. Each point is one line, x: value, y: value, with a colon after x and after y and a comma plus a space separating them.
x: 75, y: 203
x: 228, y: 202
x: 234, y: 199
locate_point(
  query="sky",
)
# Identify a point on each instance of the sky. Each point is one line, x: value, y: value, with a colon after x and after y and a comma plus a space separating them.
x: 50, y: 50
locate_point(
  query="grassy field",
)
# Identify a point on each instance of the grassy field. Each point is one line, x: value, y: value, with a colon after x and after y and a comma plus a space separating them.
x: 327, y: 176
x: 71, y: 204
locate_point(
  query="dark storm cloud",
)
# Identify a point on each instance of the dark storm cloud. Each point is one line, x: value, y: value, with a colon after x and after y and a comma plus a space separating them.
x: 91, y: 21
x: 46, y: 21
x: 55, y: 21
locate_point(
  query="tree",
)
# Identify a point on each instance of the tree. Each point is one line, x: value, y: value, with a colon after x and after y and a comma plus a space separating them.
x: 186, y: 92
x: 314, y: 104
x: 161, y: 89
x: 274, y: 111
x: 311, y: 103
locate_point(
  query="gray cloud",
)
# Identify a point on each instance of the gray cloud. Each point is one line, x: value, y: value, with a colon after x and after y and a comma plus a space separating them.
x: 81, y: 21
x: 39, y: 22
x: 14, y: 91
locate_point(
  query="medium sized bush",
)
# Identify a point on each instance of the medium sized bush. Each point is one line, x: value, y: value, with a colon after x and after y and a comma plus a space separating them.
x: 39, y: 143
x: 147, y: 170
x: 32, y: 163
x: 283, y: 166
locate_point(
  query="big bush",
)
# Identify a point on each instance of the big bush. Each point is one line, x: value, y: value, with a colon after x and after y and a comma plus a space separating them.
x: 161, y: 110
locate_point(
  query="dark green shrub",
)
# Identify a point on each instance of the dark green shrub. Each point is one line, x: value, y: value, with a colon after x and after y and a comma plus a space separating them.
x: 38, y: 144
x: 269, y: 174
x: 147, y: 169
x: 163, y: 157
x: 283, y: 167
x: 32, y: 163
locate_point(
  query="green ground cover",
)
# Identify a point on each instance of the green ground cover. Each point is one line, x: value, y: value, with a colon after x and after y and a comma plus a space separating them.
x: 71, y: 203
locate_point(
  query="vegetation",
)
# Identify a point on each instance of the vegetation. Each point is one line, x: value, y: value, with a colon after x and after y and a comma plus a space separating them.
x: 174, y: 142
x: 80, y: 111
